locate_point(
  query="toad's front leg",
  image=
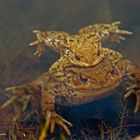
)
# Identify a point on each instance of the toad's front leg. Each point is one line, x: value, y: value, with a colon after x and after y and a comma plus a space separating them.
x: 51, y: 117
x: 106, y: 31
x: 55, y: 40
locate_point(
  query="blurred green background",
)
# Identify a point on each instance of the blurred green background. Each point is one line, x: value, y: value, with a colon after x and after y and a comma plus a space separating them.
x: 19, y: 17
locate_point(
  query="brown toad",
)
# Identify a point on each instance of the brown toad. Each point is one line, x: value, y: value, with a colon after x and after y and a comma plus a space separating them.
x: 92, y: 83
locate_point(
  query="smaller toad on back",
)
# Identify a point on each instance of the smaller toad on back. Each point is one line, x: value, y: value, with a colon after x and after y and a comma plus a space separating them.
x: 83, y: 49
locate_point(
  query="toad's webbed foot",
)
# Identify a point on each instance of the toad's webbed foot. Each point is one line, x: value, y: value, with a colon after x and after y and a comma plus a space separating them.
x: 17, y: 92
x: 116, y: 33
x: 51, y: 120
x: 134, y: 89
x: 22, y: 94
x: 39, y: 43
x: 116, y: 38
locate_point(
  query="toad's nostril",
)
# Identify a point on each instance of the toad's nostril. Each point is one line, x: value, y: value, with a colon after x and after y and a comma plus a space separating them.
x: 77, y: 57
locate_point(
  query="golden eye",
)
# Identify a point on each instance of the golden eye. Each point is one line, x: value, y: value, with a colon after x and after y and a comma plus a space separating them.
x: 83, y: 79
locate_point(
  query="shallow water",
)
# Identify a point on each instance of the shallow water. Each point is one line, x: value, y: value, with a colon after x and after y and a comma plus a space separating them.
x: 19, y: 17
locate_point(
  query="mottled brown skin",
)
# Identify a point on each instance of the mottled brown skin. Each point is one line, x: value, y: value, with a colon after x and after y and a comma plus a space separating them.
x: 93, y: 83
x: 73, y: 49
x: 58, y: 40
x: 103, y: 74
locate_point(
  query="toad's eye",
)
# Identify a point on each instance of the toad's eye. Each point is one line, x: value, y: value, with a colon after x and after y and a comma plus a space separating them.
x: 70, y: 40
x: 77, y: 57
x: 83, y: 79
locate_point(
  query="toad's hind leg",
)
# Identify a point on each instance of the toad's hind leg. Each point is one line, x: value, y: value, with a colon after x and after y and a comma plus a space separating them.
x: 51, y: 117
x: 134, y: 89
x: 134, y: 84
